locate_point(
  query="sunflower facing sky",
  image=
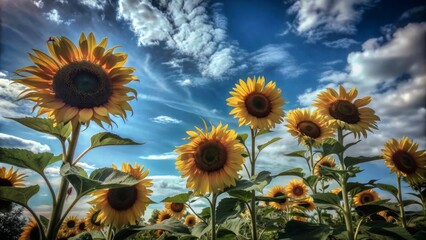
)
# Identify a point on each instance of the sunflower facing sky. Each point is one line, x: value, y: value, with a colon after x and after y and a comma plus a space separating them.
x: 278, y: 191
x: 30, y: 231
x: 175, y: 209
x: 296, y: 189
x: 78, y: 83
x: 341, y: 110
x: 255, y: 104
x: 403, y: 158
x: 125, y: 205
x: 365, y: 197
x: 211, y: 160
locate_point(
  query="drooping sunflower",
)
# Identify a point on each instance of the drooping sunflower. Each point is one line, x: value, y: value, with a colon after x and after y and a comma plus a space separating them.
x: 175, y: 209
x: 125, y: 205
x: 307, y: 204
x: 296, y: 189
x: 340, y: 110
x: 402, y: 158
x: 10, y: 178
x: 255, y: 104
x: 308, y: 127
x: 78, y: 83
x: 365, y: 197
x: 211, y: 160
x: 70, y: 224
x: 336, y: 191
x: 91, y: 220
x: 327, y: 161
x: 278, y: 191
x: 190, y: 220
x: 30, y: 231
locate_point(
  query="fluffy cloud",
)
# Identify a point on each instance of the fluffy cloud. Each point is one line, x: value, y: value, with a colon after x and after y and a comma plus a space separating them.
x: 8, y: 94
x: 93, y: 4
x: 341, y: 43
x: 165, y: 120
x: 39, y: 3
x: 164, y: 156
x: 10, y: 141
x: 53, y: 16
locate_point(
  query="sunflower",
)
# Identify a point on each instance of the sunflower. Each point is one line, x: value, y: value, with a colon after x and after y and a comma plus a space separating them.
x: 255, y: 104
x: 81, y: 225
x: 190, y: 220
x: 70, y: 224
x: 365, y: 197
x: 336, y: 191
x: 339, y: 110
x: 296, y: 189
x: 327, y: 161
x: 307, y: 204
x: 10, y: 178
x: 120, y: 206
x: 403, y: 159
x: 386, y: 216
x: 30, y: 231
x: 211, y: 160
x: 308, y: 127
x: 278, y: 191
x: 175, y: 209
x: 78, y: 83
x: 64, y: 234
x: 91, y: 220
x: 163, y: 215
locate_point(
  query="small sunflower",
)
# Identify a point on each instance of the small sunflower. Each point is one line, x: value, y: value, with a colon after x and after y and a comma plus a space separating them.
x: 327, y: 161
x: 10, y: 178
x: 190, y: 220
x: 308, y: 126
x: 339, y: 109
x: 403, y: 159
x: 386, y: 216
x: 163, y: 215
x: 257, y: 105
x: 91, y: 220
x: 336, y: 191
x: 296, y: 189
x: 278, y: 191
x: 175, y: 209
x: 30, y: 231
x: 70, y: 224
x: 307, y: 204
x: 120, y: 206
x: 365, y: 197
x: 78, y: 83
x: 211, y: 160
x: 81, y: 225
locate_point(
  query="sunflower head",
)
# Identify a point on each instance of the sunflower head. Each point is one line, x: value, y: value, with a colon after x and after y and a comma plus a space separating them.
x: 163, y: 215
x: 70, y: 224
x: 309, y: 127
x: 296, y: 189
x: 211, y: 160
x: 78, y: 83
x: 403, y: 158
x: 175, y: 209
x: 255, y: 104
x: 190, y: 220
x: 278, y: 191
x: 341, y: 110
x: 365, y: 197
x: 307, y: 203
x: 336, y: 191
x: 327, y: 161
x: 30, y: 231
x: 81, y: 225
x: 124, y: 205
x: 91, y: 220
x: 386, y: 216
x: 10, y: 178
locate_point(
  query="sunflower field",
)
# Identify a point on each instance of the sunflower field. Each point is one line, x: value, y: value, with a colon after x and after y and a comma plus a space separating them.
x: 75, y: 85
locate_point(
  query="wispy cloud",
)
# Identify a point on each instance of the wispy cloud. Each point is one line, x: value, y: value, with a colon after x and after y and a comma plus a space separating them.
x: 94, y: 4
x: 11, y: 141
x: 163, y: 156
x: 53, y: 16
x: 413, y: 11
x: 341, y: 43
x: 166, y: 120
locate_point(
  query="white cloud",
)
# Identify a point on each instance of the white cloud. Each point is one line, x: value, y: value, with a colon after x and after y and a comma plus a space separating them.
x: 413, y: 11
x: 185, y: 82
x: 11, y: 141
x: 86, y: 166
x: 164, y: 156
x: 341, y: 43
x: 165, y: 120
x: 53, y: 15
x: 94, y: 4
x: 62, y: 1
x: 38, y: 3
x: 52, y: 171
x: 333, y: 76
x: 8, y: 94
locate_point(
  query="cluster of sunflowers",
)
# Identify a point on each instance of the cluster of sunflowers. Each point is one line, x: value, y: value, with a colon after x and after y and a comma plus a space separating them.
x: 79, y: 84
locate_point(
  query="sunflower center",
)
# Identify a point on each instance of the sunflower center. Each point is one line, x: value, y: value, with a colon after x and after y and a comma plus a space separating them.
x: 309, y: 129
x: 258, y: 105
x: 177, y: 207
x: 326, y: 164
x: 5, y: 183
x: 71, y: 224
x: 345, y: 111
x: 404, y: 162
x: 281, y: 201
x: 82, y: 226
x: 210, y: 156
x: 35, y: 233
x: 304, y: 204
x: 82, y: 85
x: 122, y: 198
x: 366, y: 198
x: 298, y: 191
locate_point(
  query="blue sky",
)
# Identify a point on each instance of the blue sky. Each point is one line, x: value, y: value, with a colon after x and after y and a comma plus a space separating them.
x: 189, y: 55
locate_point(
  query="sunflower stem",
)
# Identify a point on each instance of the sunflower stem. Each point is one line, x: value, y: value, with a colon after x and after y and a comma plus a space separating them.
x: 54, y: 222
x: 358, y: 227
x: 253, y: 192
x: 52, y: 192
x: 311, y: 168
x: 109, y: 234
x: 213, y: 215
x: 401, y: 205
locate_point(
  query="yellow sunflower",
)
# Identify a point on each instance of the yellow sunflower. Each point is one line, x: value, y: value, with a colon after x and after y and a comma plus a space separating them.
x: 175, y: 209
x: 10, y: 178
x: 365, y: 197
x: 296, y: 189
x: 70, y: 224
x: 163, y: 215
x: 81, y: 225
x: 336, y: 191
x: 278, y: 191
x: 91, y: 220
x: 211, y: 160
x: 190, y: 220
x: 298, y: 217
x: 255, y: 104
x: 307, y: 204
x: 403, y: 159
x: 78, y: 83
x: 120, y: 206
x: 339, y: 109
x: 308, y: 126
x: 327, y: 161
x: 30, y: 231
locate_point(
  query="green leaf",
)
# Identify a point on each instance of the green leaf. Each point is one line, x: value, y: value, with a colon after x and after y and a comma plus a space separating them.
x: 44, y: 221
x: 200, y: 229
x: 351, y: 144
x: 172, y: 225
x: 229, y: 208
x: 205, y: 212
x: 270, y: 199
x: 242, y: 137
x: 27, y: 159
x: 326, y: 200
x: 234, y: 225
x: 388, y: 188
x: 256, y: 182
x: 263, y: 146
x: 19, y: 195
x: 261, y: 132
x: 368, y: 209
x: 388, y: 230
x: 225, y: 234
x: 180, y: 198
x: 107, y: 139
x: 410, y: 202
x: 241, y: 194
x: 331, y: 146
x: 311, y: 181
x: 350, y: 161
x: 299, y: 154
x: 45, y: 125
x: 304, y: 230
x: 291, y: 172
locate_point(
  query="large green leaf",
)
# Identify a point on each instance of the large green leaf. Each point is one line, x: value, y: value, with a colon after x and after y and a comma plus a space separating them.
x: 388, y: 188
x: 229, y: 208
x: 304, y: 230
x: 299, y: 154
x: 27, y: 159
x: 45, y: 125
x: 257, y: 182
x: 234, y: 225
x: 408, y: 202
x: 262, y: 132
x: 331, y: 146
x: 172, y: 225
x: 326, y: 200
x: 368, y: 209
x: 19, y: 195
x: 225, y: 234
x: 107, y: 138
x: 180, y: 198
x: 291, y: 172
x: 200, y: 229
x: 311, y: 181
x: 241, y: 194
x: 270, y: 199
x: 263, y: 146
x: 388, y: 230
x: 350, y: 161
x: 242, y: 137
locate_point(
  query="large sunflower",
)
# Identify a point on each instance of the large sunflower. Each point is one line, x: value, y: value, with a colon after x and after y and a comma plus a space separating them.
x: 175, y: 209
x: 308, y: 126
x: 30, y: 231
x: 91, y: 220
x: 10, y: 178
x: 255, y: 104
x: 339, y: 109
x: 365, y: 197
x: 78, y: 83
x: 120, y: 206
x: 327, y: 161
x: 211, y: 160
x: 278, y: 191
x: 296, y: 189
x: 403, y: 159
x: 190, y: 220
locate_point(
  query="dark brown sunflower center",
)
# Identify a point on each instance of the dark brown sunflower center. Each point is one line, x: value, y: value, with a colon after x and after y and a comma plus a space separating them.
x: 165, y: 216
x: 210, y: 156
x: 366, y: 198
x: 304, y: 204
x: 82, y: 85
x: 5, y: 205
x: 5, y: 183
x: 71, y: 224
x: 258, y: 105
x: 309, y: 129
x: 82, y: 226
x: 177, y: 207
x: 122, y: 198
x: 35, y: 233
x: 345, y: 111
x: 93, y: 219
x: 326, y: 164
x: 279, y: 194
x: 404, y: 162
x: 298, y: 191
x: 191, y: 221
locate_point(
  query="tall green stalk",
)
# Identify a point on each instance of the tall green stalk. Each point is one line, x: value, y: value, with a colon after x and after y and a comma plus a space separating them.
x: 253, y: 192
x: 401, y: 205
x: 213, y: 215
x: 312, y: 169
